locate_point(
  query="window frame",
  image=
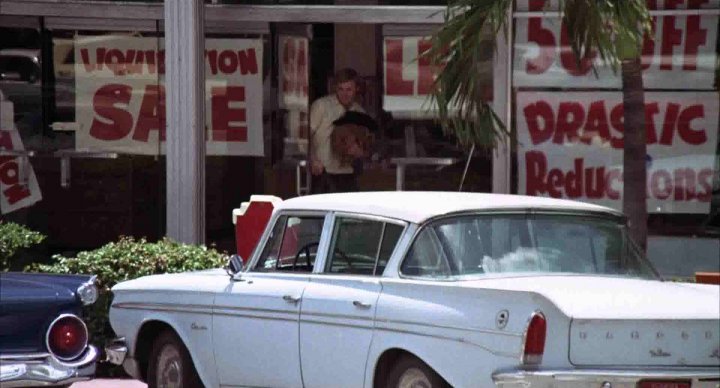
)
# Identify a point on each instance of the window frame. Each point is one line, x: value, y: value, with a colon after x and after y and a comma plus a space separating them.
x: 326, y: 260
x: 265, y: 239
x: 527, y: 212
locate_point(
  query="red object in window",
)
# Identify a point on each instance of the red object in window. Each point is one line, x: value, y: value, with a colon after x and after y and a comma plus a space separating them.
x: 250, y: 221
x: 664, y: 384
x: 535, y: 339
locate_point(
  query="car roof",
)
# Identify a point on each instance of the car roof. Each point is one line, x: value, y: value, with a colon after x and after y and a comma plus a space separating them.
x: 418, y: 207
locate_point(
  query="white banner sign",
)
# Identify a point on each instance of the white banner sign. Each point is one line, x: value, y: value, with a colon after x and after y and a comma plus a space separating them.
x: 682, y: 55
x: 120, y: 96
x: 571, y: 146
x: 18, y: 184
x: 293, y: 72
x: 408, y: 79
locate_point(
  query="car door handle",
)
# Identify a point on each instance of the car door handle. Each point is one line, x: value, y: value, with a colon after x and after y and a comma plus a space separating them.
x: 361, y: 305
x: 291, y: 299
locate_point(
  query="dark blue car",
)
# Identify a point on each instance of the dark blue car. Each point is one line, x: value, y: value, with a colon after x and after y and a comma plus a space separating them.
x: 43, y: 339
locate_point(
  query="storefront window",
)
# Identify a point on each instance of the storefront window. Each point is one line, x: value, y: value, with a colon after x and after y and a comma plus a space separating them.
x: 569, y: 116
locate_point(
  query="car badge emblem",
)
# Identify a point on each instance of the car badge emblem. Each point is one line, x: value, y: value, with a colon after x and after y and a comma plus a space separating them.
x: 502, y: 318
x: 583, y: 335
x: 685, y: 335
x: 659, y: 353
x: 609, y: 335
x: 195, y: 326
x: 715, y: 354
x: 659, y: 335
x: 635, y: 335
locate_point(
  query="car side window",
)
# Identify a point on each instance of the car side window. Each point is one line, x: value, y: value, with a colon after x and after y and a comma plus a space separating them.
x: 361, y: 246
x: 292, y: 245
x: 426, y: 257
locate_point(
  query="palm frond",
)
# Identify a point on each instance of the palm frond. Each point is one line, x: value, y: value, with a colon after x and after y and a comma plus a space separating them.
x: 457, y: 50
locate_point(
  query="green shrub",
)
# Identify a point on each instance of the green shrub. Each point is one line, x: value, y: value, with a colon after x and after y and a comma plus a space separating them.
x: 14, y: 237
x: 124, y: 260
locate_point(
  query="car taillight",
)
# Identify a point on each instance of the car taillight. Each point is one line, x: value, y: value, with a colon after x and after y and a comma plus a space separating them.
x: 534, y: 346
x: 67, y: 337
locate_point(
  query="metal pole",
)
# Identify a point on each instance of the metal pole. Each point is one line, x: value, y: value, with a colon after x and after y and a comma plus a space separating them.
x: 185, y: 107
x: 467, y: 165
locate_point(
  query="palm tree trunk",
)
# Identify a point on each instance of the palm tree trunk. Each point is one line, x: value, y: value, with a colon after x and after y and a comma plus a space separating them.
x: 635, y: 151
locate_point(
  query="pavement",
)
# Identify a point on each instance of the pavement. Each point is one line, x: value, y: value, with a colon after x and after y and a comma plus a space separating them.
x: 110, y: 383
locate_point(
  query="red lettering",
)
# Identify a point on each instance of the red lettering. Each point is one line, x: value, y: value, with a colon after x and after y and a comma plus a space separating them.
x: 613, y: 176
x: 152, y: 114
x: 394, y: 83
x: 161, y: 62
x: 705, y: 178
x: 16, y: 193
x: 533, y: 114
x: 671, y: 118
x: 85, y: 58
x: 248, y: 61
x: 597, y: 123
x: 570, y: 119
x: 212, y: 56
x: 425, y: 69
x: 651, y: 109
x: 689, y: 135
x: 573, y: 183
x: 648, y: 47
x: 658, y: 191
x: 536, y: 168
x: 9, y: 173
x: 555, y: 181
x: 545, y: 39
x: 598, y: 189
x: 226, y: 119
x: 684, y: 184
x: 694, y: 38
x: 115, y: 60
x: 112, y: 120
x: 302, y: 70
x: 150, y: 60
x: 228, y: 62
x: 671, y: 37
x: 617, y: 120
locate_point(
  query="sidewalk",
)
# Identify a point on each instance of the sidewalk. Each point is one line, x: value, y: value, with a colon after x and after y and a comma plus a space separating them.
x: 110, y: 383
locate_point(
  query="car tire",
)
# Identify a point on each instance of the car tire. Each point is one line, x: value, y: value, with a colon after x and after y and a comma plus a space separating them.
x: 410, y: 372
x: 170, y: 364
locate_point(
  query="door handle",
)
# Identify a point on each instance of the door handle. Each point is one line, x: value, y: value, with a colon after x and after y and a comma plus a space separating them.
x: 291, y: 299
x: 361, y: 305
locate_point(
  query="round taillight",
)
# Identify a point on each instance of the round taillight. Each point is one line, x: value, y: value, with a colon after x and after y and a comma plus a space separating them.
x: 534, y: 346
x: 67, y: 337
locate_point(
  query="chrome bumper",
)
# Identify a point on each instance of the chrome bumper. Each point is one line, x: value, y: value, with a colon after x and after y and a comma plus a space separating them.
x: 117, y: 353
x: 46, y: 370
x: 605, y: 378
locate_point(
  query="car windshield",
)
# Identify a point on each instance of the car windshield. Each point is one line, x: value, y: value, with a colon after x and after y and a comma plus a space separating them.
x: 466, y: 246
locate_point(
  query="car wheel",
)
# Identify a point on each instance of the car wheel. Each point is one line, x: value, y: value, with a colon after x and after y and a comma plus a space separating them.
x: 410, y: 372
x: 170, y: 364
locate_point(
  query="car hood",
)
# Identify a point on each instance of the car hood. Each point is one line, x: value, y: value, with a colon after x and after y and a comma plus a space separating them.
x: 31, y: 286
x: 599, y: 297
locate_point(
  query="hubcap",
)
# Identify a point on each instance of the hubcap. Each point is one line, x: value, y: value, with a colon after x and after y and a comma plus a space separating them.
x: 169, y: 368
x: 414, y: 378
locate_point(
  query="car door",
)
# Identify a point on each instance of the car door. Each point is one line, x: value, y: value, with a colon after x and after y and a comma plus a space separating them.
x: 338, y: 306
x: 255, y: 319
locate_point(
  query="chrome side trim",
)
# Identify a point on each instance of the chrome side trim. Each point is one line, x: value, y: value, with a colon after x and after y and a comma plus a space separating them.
x: 23, y: 357
x: 525, y: 378
x: 434, y: 326
x: 48, y: 371
x: 454, y: 339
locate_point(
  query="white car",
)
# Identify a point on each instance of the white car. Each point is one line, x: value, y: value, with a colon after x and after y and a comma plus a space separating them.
x: 412, y: 289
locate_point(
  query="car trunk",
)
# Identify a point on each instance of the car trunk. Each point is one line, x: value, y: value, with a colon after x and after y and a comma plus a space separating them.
x: 644, y: 342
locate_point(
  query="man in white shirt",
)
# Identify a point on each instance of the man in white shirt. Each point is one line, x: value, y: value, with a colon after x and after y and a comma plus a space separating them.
x: 331, y: 173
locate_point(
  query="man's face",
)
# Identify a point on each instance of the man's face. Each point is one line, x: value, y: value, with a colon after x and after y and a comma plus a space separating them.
x: 345, y: 92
